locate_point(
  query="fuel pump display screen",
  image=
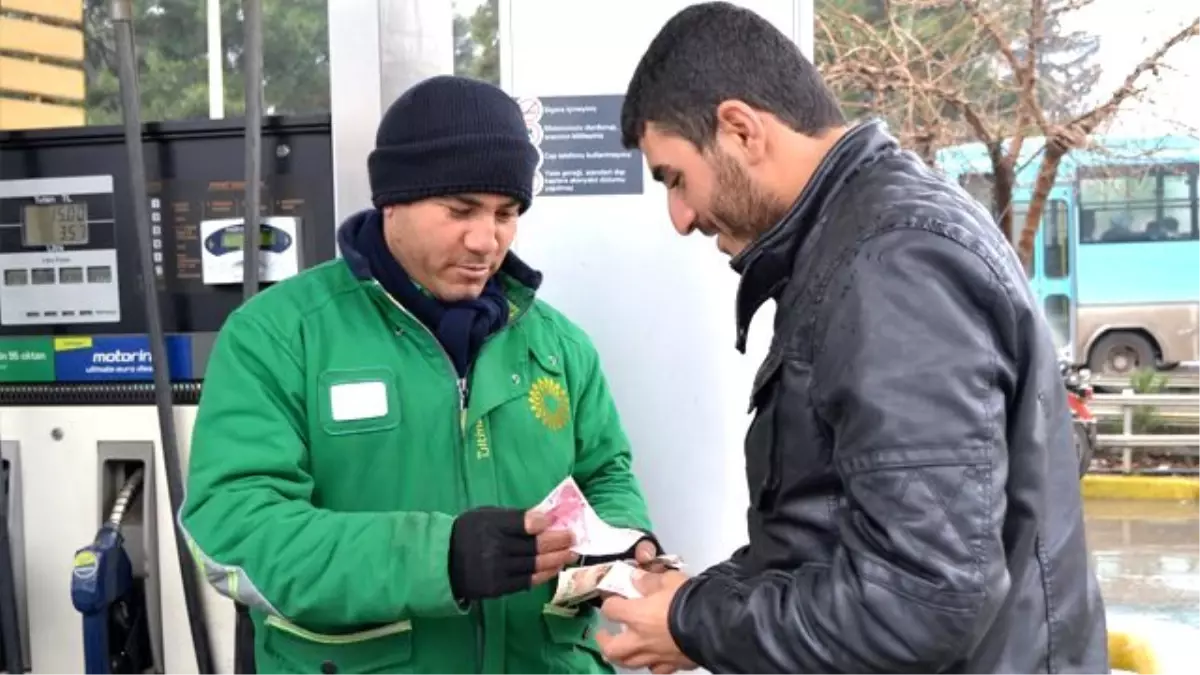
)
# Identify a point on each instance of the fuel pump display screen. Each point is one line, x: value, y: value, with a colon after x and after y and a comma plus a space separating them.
x: 61, y: 227
x: 233, y: 239
x: 56, y: 224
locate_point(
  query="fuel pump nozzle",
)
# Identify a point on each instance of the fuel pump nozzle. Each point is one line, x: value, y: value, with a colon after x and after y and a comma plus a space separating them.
x: 116, y: 637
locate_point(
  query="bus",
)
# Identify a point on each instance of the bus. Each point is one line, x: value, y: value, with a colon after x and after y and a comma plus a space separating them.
x: 1116, y: 261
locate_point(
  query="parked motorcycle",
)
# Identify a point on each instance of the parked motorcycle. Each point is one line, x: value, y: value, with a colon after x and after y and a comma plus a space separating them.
x: 1077, y: 381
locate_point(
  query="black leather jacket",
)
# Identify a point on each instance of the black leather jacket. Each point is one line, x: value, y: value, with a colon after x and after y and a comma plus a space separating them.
x: 915, y: 501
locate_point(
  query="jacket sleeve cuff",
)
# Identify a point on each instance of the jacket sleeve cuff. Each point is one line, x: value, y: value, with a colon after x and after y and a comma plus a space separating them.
x: 584, y: 561
x: 681, y: 619
x: 431, y: 594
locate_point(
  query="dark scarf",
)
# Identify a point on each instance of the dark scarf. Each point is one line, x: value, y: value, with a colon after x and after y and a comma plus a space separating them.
x: 460, y: 326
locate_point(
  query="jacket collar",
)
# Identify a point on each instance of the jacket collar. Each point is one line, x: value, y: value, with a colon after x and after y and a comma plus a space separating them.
x: 766, y: 264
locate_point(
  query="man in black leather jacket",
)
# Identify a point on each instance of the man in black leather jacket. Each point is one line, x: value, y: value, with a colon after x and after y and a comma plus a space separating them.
x: 915, y: 500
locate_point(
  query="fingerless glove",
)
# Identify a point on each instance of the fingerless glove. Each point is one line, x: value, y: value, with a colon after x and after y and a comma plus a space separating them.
x: 491, y: 554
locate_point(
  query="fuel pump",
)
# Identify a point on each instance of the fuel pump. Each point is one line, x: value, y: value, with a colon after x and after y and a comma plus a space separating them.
x: 10, y: 630
x: 10, y: 634
x: 123, y: 252
x: 111, y: 598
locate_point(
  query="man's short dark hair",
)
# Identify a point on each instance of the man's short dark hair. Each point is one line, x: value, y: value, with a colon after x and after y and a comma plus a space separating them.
x: 713, y: 52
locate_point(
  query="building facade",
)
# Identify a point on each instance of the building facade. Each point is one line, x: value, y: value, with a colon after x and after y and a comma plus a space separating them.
x: 42, y: 82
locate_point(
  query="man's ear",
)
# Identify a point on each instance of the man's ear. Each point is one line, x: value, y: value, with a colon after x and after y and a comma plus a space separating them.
x: 743, y: 130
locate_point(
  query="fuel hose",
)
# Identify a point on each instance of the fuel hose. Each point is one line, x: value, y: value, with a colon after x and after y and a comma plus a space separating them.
x: 122, y: 15
x: 243, y: 658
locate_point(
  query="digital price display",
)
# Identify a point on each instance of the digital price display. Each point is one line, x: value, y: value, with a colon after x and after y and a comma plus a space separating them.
x: 55, y: 224
x: 232, y: 239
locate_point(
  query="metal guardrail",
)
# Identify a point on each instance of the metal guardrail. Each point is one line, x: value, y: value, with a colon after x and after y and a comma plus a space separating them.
x: 1182, y: 444
x: 1180, y: 418
x: 1186, y: 379
x: 1177, y: 408
x: 1124, y: 404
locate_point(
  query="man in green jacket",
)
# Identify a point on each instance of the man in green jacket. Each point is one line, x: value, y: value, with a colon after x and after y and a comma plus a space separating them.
x: 374, y: 431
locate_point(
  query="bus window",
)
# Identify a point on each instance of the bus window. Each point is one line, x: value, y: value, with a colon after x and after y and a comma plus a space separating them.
x: 1056, y: 252
x: 1133, y: 203
x: 1118, y: 206
x: 1193, y: 173
x: 1178, y: 219
x: 1058, y: 315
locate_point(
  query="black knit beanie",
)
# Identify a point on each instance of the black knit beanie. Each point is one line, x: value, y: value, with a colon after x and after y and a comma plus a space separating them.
x: 452, y: 135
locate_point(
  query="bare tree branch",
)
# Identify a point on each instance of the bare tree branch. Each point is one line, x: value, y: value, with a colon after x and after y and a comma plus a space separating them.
x: 1068, y: 7
x: 943, y: 72
x: 1086, y: 123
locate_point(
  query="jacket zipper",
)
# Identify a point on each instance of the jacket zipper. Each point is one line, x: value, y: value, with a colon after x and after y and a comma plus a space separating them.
x: 464, y: 393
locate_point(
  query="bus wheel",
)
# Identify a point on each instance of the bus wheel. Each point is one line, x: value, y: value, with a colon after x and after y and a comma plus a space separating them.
x: 1122, y: 353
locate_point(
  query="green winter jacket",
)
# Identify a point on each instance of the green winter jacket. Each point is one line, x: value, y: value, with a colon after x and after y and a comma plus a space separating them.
x: 331, y: 454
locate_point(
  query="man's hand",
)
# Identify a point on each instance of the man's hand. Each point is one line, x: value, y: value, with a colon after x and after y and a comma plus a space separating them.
x: 553, y: 548
x: 496, y: 551
x: 646, y: 641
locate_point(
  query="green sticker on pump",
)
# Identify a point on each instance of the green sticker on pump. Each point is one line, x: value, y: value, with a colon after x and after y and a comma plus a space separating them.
x: 28, y: 359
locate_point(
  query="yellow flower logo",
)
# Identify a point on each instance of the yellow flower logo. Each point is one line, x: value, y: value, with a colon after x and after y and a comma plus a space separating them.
x: 548, y: 401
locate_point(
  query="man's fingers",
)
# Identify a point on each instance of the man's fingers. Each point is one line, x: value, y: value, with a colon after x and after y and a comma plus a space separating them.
x: 618, y: 648
x: 550, y: 542
x: 553, y: 562
x: 602, y: 637
x: 629, y: 652
x: 618, y: 609
x: 542, y: 577
x: 628, y: 649
x: 536, y: 523
x: 663, y: 669
x: 639, y: 659
x: 645, y: 551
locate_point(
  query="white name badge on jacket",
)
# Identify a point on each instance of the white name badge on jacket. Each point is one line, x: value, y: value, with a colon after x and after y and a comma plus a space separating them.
x: 358, y: 401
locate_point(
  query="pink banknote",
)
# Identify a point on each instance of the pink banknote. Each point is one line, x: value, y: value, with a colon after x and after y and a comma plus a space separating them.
x: 566, y: 507
x: 569, y: 510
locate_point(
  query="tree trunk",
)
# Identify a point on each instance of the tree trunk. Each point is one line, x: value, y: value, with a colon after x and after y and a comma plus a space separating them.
x: 1047, y: 173
x: 1003, y: 179
x: 926, y: 150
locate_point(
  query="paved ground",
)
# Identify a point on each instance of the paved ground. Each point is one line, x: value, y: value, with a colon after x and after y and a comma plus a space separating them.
x: 1147, y: 556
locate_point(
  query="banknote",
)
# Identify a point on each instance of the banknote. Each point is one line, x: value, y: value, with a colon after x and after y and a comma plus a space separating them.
x: 565, y: 506
x: 579, y: 584
x: 620, y: 580
x: 669, y: 561
x: 568, y: 509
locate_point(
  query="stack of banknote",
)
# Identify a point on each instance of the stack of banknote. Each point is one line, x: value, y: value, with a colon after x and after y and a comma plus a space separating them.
x: 569, y: 510
x: 580, y: 584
